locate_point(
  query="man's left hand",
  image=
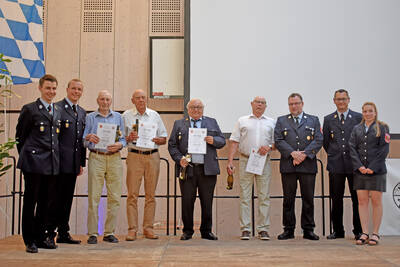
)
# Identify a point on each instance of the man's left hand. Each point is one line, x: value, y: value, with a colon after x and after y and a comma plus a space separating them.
x: 159, y: 140
x: 263, y: 150
x: 114, y: 147
x: 209, y: 140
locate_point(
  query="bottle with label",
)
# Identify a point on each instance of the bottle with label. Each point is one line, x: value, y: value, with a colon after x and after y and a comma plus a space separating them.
x: 229, y: 181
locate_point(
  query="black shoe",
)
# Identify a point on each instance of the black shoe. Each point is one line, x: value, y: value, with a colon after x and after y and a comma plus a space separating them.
x: 335, y: 235
x: 286, y: 235
x: 209, y: 236
x: 31, y: 248
x: 110, y: 238
x: 47, y: 243
x: 357, y: 236
x: 186, y: 236
x: 67, y: 238
x: 310, y: 235
x: 92, y: 239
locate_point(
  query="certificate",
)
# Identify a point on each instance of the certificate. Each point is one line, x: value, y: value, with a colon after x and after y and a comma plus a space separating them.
x: 197, y: 143
x: 256, y: 162
x: 107, y: 133
x: 147, y: 131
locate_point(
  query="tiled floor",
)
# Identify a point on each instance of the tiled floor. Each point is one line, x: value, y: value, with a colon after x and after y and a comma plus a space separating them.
x: 170, y: 251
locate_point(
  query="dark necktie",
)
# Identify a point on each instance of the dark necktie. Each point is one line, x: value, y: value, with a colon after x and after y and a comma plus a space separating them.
x: 296, y: 120
x: 49, y: 109
x: 74, y: 109
x: 194, y: 123
x: 342, y: 118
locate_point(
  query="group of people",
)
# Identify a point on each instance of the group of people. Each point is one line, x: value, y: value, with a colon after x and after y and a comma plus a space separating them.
x: 53, y: 139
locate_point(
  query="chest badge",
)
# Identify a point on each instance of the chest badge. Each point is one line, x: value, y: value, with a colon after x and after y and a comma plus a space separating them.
x: 285, y: 132
x: 41, y: 128
x: 308, y: 138
x: 67, y: 124
x: 57, y: 130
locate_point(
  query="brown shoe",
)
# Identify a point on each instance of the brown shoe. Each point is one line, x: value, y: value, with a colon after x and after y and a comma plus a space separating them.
x: 149, y: 234
x: 131, y: 236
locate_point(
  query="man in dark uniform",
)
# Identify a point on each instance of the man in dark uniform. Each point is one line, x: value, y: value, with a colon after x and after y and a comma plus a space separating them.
x: 72, y: 156
x: 37, y: 133
x: 202, y: 170
x: 298, y: 138
x: 336, y: 130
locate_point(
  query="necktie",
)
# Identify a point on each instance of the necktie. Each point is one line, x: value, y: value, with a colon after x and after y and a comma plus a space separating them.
x: 74, y: 109
x: 342, y: 118
x: 296, y: 120
x: 194, y: 123
x: 49, y: 108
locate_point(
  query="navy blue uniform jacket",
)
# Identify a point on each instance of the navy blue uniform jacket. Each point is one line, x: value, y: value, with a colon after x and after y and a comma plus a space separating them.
x: 72, y: 151
x: 178, y: 144
x: 37, y: 135
x: 336, y: 141
x: 305, y: 137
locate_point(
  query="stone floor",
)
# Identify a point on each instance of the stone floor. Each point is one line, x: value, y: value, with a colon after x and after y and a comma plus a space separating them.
x: 170, y: 251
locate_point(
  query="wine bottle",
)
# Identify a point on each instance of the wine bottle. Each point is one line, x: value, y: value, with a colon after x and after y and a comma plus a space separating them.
x: 229, y: 181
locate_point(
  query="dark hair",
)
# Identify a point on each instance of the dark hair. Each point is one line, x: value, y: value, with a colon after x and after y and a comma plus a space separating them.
x: 74, y: 80
x: 294, y: 95
x: 47, y: 77
x: 341, y: 91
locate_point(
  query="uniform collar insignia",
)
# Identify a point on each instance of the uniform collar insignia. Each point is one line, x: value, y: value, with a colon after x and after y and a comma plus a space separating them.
x: 40, y: 106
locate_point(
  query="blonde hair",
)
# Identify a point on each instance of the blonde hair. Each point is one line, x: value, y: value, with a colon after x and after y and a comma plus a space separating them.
x: 378, y: 123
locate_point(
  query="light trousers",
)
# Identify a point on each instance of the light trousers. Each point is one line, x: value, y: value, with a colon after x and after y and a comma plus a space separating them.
x: 262, y: 187
x: 141, y: 167
x: 102, y: 168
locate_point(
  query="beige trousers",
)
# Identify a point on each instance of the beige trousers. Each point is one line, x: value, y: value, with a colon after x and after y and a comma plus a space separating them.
x: 146, y: 167
x: 100, y: 168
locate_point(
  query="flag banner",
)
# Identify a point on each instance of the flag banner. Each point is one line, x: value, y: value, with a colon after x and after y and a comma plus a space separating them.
x: 21, y: 39
x: 391, y: 199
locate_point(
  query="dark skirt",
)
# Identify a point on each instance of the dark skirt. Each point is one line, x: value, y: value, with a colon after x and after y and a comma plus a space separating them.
x: 373, y: 182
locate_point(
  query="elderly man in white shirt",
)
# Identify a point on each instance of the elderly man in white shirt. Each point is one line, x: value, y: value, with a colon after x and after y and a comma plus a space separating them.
x: 142, y: 163
x: 255, y: 131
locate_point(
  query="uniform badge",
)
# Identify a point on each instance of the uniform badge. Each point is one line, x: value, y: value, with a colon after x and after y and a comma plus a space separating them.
x: 289, y: 117
x: 349, y: 115
x: 335, y: 116
x: 41, y: 128
x: 387, y: 138
x: 66, y: 106
x: 66, y: 124
x: 332, y: 135
x: 179, y: 136
x: 57, y: 130
x: 40, y: 106
x: 285, y: 132
x: 308, y: 137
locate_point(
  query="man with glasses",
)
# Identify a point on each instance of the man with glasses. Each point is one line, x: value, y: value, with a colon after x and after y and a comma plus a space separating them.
x: 298, y: 138
x: 253, y: 132
x: 336, y: 130
x: 201, y: 172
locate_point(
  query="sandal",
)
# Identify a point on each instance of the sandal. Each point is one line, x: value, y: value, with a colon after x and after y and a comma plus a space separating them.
x: 374, y: 241
x: 361, y: 240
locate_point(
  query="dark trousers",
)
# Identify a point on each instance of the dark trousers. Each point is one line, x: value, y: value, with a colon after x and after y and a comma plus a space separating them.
x: 336, y: 192
x: 307, y: 186
x: 65, y: 194
x: 39, y: 206
x: 206, y: 185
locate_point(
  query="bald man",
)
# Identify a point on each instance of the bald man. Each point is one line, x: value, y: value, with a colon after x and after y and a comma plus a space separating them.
x: 201, y: 172
x: 143, y: 163
x: 104, y: 164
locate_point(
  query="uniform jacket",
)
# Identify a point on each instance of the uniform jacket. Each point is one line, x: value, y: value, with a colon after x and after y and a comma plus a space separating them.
x: 72, y: 151
x: 336, y: 141
x: 37, y: 135
x: 368, y: 150
x: 306, y: 137
x: 178, y: 144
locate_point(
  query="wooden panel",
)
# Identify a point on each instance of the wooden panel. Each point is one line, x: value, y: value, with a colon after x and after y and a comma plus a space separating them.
x: 172, y: 104
x: 63, y: 41
x: 131, y: 50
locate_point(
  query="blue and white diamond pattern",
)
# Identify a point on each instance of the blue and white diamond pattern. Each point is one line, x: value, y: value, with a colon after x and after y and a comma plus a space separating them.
x: 21, y: 39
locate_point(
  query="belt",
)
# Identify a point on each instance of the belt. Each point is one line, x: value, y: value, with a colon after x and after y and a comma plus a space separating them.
x: 197, y: 164
x: 244, y: 155
x: 148, y: 152
x: 103, y: 153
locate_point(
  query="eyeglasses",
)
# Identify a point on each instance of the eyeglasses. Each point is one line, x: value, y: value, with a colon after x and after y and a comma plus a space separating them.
x: 295, y: 104
x: 341, y: 99
x: 196, y: 107
x: 260, y: 102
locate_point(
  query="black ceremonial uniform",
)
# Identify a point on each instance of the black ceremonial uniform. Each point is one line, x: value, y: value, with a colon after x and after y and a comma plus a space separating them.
x: 305, y: 137
x: 72, y: 157
x: 370, y: 151
x: 337, y: 133
x: 37, y: 135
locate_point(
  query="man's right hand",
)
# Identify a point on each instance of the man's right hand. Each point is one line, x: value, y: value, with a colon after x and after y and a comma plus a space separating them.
x: 92, y: 138
x: 183, y: 162
x: 230, y: 169
x: 133, y: 136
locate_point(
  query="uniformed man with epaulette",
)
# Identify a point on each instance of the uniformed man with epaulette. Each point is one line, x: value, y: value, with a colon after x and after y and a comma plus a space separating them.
x: 336, y: 131
x: 37, y: 133
x: 72, y: 156
x: 298, y: 138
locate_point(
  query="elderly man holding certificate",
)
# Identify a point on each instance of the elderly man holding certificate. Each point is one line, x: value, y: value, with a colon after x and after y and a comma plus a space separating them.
x: 144, y: 132
x: 253, y: 136
x: 104, y: 139
x: 196, y: 138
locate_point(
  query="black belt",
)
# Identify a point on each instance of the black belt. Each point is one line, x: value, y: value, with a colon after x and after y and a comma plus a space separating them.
x: 148, y: 152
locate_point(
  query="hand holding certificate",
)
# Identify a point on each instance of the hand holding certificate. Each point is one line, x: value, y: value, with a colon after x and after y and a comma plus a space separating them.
x: 256, y: 162
x: 147, y: 131
x: 197, y: 143
x: 107, y: 133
